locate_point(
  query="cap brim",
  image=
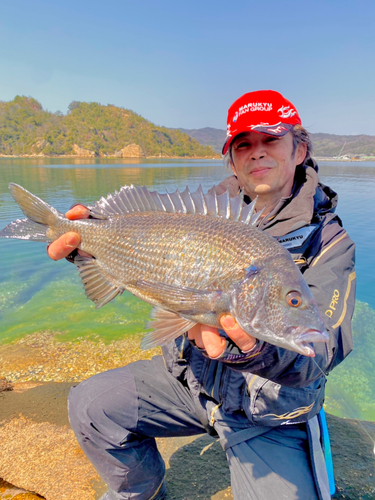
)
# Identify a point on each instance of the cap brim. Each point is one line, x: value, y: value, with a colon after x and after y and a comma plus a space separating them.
x: 277, y: 130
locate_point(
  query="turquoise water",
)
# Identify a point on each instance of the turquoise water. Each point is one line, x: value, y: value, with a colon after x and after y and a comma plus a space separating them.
x: 37, y: 294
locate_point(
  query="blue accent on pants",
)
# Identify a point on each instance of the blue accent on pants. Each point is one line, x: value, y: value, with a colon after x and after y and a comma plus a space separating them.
x: 327, y: 451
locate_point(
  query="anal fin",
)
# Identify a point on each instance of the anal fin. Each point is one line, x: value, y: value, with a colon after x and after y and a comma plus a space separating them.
x: 166, y: 325
x: 97, y: 287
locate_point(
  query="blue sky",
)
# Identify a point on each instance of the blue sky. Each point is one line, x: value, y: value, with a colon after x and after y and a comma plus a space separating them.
x: 181, y: 64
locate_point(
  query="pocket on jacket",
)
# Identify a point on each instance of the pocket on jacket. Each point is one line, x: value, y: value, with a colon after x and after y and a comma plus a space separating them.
x: 268, y: 403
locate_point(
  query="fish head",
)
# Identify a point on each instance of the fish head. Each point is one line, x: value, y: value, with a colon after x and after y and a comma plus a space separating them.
x: 274, y: 303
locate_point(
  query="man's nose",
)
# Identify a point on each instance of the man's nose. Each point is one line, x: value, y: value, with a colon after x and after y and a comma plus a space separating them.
x: 257, y: 152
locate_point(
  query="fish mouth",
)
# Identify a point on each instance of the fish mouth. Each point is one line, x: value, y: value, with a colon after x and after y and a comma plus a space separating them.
x: 306, y: 337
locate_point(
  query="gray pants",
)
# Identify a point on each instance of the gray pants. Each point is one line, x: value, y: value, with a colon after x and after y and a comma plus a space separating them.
x: 117, y: 415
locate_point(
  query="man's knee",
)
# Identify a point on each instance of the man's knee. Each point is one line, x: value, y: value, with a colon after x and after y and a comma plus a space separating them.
x: 104, y: 405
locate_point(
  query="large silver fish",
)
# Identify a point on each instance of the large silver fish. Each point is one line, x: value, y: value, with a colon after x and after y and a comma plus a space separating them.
x: 193, y: 256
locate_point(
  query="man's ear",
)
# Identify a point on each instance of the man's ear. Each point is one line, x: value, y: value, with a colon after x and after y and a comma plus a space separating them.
x: 300, y: 154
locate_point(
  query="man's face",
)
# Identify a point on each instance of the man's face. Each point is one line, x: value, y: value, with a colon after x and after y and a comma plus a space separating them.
x: 265, y: 165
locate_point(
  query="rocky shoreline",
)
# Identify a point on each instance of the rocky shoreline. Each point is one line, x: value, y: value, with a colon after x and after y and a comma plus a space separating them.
x: 40, y: 457
x: 114, y: 157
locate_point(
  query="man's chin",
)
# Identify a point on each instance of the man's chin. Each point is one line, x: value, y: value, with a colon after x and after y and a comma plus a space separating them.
x: 262, y: 189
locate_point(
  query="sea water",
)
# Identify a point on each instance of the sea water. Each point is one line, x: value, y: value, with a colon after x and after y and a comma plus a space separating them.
x: 37, y: 294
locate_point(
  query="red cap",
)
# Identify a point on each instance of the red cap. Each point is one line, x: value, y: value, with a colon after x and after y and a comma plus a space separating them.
x: 263, y: 111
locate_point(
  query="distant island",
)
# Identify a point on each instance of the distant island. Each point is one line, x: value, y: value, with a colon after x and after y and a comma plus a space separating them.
x: 89, y: 130
x: 347, y: 147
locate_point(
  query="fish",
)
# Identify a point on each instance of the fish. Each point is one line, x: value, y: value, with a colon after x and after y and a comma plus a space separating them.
x: 193, y: 256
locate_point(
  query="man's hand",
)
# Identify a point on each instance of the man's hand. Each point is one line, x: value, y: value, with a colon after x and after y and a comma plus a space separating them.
x: 208, y: 338
x: 64, y: 245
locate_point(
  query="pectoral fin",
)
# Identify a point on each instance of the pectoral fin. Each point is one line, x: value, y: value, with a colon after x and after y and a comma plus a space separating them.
x: 97, y: 284
x: 182, y: 300
x: 166, y: 327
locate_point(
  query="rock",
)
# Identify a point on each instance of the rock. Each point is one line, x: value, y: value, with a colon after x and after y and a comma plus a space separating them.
x: 5, y: 385
x: 84, y: 153
x: 9, y: 492
x: 38, y: 146
x: 48, y: 460
x: 132, y: 151
x: 352, y: 443
x: 39, y: 452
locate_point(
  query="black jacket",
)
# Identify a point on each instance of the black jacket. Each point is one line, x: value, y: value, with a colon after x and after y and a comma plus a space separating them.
x: 274, y: 385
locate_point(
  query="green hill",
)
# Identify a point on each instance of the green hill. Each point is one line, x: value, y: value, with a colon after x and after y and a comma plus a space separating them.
x: 89, y: 129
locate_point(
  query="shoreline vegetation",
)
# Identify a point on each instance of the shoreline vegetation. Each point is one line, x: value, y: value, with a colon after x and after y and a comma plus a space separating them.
x: 89, y: 130
x: 112, y: 157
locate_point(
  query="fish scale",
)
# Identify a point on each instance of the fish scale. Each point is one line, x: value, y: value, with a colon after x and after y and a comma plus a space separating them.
x: 193, y: 256
x: 166, y: 249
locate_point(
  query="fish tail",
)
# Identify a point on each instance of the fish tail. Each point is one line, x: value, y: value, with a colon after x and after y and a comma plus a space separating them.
x: 40, y: 217
x: 25, y: 229
x: 33, y: 207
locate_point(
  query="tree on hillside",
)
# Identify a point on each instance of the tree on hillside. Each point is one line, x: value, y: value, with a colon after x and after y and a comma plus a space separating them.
x: 73, y: 105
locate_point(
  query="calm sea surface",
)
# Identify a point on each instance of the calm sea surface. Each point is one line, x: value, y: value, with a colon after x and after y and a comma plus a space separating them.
x: 37, y: 294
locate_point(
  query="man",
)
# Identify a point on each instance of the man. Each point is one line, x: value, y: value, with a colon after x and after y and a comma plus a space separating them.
x: 262, y: 401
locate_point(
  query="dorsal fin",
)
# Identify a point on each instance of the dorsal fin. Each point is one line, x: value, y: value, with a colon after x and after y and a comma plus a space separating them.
x: 132, y: 199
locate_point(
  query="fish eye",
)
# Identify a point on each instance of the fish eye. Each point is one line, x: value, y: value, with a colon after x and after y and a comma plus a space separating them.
x: 294, y: 299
